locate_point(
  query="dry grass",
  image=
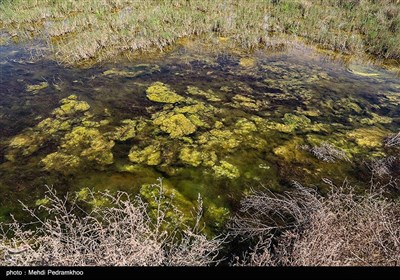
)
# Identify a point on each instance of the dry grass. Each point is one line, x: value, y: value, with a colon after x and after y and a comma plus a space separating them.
x: 302, y: 228
x: 83, y: 30
x: 123, y: 234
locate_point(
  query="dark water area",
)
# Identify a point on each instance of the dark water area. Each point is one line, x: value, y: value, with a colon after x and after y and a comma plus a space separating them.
x: 236, y: 121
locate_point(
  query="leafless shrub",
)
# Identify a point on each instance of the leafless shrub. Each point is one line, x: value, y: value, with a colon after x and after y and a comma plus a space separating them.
x: 310, y: 230
x: 381, y: 167
x: 326, y: 152
x: 393, y: 140
x: 123, y: 234
x: 381, y: 173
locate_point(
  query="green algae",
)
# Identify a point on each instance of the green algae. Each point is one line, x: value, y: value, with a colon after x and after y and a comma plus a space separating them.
x: 150, y: 155
x: 128, y: 129
x: 291, y: 150
x: 61, y: 162
x: 226, y: 170
x: 209, y: 94
x: 291, y: 122
x: 176, y: 125
x: 137, y: 70
x: 70, y: 106
x: 160, y: 92
x: 376, y: 119
x: 218, y: 216
x: 244, y: 126
x: 191, y: 156
x: 368, y: 137
x: 247, y: 62
x: 218, y: 138
x: 34, y: 89
x: 247, y: 102
x: 160, y: 197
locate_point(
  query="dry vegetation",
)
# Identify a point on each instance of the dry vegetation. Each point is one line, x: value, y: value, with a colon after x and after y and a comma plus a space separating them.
x: 81, y: 30
x: 303, y: 228
x: 124, y: 234
x: 298, y: 227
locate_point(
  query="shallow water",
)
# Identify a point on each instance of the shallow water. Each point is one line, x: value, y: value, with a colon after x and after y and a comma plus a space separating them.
x: 244, y: 120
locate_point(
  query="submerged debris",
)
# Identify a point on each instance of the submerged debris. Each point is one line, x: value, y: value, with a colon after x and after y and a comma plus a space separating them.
x: 393, y: 140
x: 326, y: 152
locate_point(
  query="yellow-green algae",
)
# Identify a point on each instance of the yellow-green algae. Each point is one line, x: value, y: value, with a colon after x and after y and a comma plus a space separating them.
x: 376, y: 119
x: 191, y: 156
x: 368, y: 137
x: 71, y: 112
x: 290, y: 151
x: 156, y: 197
x: 217, y: 138
x: 244, y: 126
x: 290, y: 123
x: 35, y: 88
x: 247, y: 62
x: 128, y: 129
x: 150, y: 155
x: 176, y: 125
x: 138, y: 70
x: 226, y: 170
x: 244, y: 101
x: 90, y: 144
x: 160, y: 92
x: 70, y: 106
x: 61, y: 162
x: 217, y: 215
x: 209, y: 94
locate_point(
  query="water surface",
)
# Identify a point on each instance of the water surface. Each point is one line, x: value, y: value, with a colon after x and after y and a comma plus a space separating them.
x: 241, y: 120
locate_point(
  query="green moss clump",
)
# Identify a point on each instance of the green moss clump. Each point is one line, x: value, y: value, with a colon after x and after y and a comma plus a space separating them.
x: 61, y: 162
x: 150, y: 155
x: 209, y: 94
x: 177, y: 125
x: 227, y: 170
x: 35, y: 88
x: 159, y: 92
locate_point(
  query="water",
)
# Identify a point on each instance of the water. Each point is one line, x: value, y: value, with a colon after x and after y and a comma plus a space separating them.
x: 242, y: 121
